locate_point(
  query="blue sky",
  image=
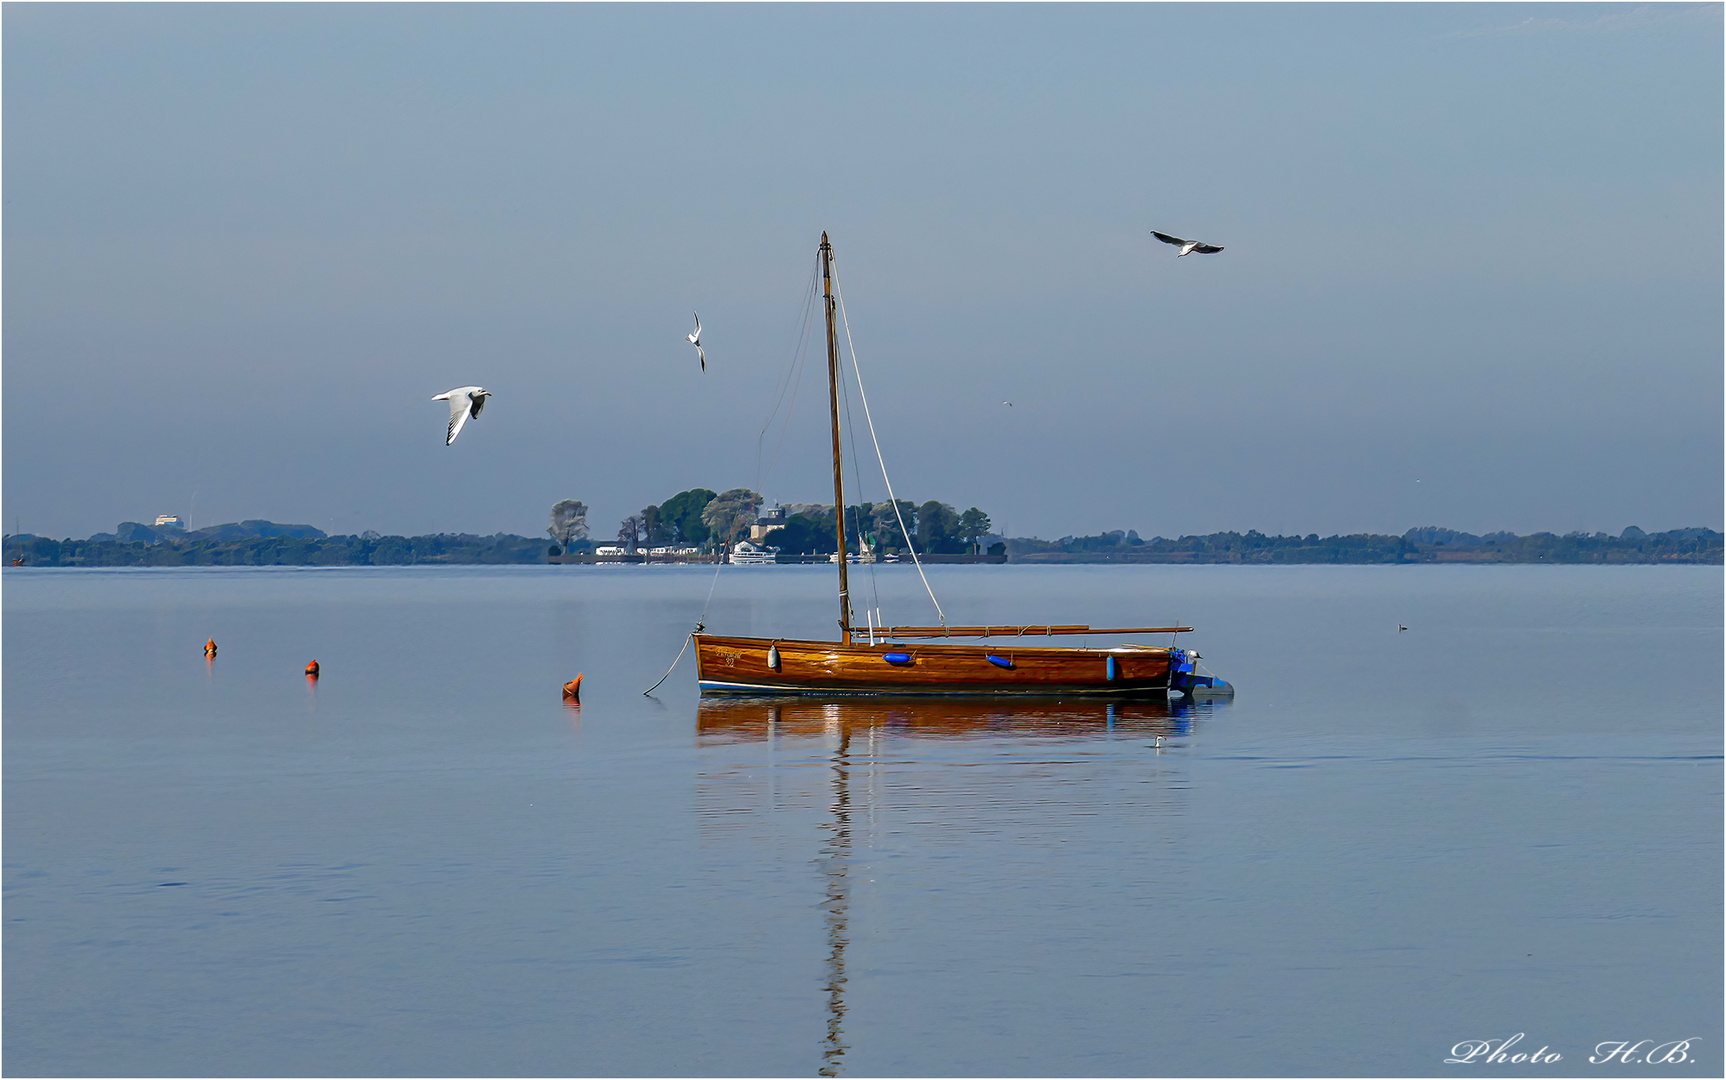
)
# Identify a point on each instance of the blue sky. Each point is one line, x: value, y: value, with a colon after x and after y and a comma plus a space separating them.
x: 1473, y: 246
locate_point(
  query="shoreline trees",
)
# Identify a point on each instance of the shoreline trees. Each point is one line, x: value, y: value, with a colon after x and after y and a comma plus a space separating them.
x: 700, y: 517
x: 729, y: 515
x: 680, y: 516
x: 568, y: 522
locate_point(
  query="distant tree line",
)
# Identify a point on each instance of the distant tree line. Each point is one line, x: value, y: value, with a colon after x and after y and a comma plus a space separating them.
x: 706, y: 519
x: 235, y: 545
x: 1425, y: 544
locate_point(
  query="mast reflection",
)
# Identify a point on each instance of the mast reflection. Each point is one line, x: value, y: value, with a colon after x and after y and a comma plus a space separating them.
x: 838, y: 722
x: 836, y: 864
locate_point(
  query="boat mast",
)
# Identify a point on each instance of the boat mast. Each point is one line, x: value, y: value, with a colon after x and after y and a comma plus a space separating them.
x: 833, y: 402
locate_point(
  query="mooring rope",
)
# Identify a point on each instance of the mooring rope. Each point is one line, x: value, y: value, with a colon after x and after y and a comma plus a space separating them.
x: 699, y: 627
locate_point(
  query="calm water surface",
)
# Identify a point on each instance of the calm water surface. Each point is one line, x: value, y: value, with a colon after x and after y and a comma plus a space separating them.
x: 1507, y: 819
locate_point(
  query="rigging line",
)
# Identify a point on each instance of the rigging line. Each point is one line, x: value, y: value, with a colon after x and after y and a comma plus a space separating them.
x: 839, y: 293
x: 862, y: 526
x: 892, y: 499
x: 700, y: 625
x: 779, y: 387
x: 799, y: 362
x: 857, y: 474
x: 851, y: 430
x: 793, y: 380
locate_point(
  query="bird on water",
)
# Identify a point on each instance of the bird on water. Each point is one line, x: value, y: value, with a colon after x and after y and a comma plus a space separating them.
x: 695, y: 340
x: 464, y: 401
x: 1187, y: 246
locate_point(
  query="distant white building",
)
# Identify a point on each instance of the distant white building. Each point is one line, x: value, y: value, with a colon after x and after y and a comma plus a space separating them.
x: 609, y: 551
x: 767, y: 522
x: 744, y: 553
x: 674, y: 551
x: 171, y: 521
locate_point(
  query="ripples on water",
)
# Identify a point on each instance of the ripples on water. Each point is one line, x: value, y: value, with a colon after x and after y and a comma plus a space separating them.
x: 1504, y: 820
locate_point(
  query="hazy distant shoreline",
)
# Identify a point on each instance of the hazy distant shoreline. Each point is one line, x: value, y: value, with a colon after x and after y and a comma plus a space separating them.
x: 262, y: 543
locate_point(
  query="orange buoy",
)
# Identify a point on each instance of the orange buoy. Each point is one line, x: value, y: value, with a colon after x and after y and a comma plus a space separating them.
x: 210, y: 647
x: 572, y: 689
x: 312, y: 669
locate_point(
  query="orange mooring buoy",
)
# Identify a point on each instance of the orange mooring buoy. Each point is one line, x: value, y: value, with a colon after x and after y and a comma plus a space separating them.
x: 312, y: 669
x: 572, y: 689
x: 210, y: 647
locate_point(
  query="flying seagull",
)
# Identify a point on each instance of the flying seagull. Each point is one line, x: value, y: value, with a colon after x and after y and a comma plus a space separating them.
x: 1009, y: 404
x: 1187, y: 246
x: 464, y: 401
x: 1400, y: 628
x: 695, y: 340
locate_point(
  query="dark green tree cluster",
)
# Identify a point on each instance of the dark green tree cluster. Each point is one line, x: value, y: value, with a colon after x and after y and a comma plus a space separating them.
x: 677, y: 520
x: 936, y: 529
x: 809, y: 530
x: 709, y: 519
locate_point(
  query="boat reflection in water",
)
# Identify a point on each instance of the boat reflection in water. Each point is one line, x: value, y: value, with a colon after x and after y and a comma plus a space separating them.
x: 855, y: 730
x: 741, y: 718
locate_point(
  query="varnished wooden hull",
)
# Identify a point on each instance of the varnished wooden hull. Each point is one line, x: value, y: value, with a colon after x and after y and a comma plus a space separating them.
x: 730, y: 665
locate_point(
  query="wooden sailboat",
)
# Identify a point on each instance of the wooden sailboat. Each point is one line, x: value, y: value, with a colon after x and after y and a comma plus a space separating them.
x: 937, y: 660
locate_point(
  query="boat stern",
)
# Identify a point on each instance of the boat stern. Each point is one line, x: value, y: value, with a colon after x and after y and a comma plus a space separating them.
x: 1189, y: 677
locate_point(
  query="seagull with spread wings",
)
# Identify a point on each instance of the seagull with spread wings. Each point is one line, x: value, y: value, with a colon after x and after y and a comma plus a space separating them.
x: 1187, y: 246
x: 695, y: 340
x: 464, y: 401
